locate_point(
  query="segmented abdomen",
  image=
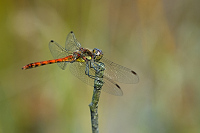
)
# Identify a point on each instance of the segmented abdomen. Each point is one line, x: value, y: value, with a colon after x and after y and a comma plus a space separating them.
x: 69, y: 58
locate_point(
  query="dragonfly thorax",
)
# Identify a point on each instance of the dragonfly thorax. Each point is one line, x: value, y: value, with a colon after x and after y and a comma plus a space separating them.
x: 83, y: 55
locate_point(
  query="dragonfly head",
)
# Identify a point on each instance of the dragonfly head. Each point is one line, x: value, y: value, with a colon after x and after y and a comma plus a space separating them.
x: 98, y: 54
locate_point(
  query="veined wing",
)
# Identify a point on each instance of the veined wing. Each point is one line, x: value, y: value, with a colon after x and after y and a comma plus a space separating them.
x: 109, y: 86
x: 72, y: 43
x: 57, y: 52
x: 119, y: 73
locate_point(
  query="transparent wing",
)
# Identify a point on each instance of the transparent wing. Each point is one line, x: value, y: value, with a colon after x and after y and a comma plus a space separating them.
x: 57, y: 52
x: 119, y: 73
x: 109, y: 86
x: 72, y: 43
x: 78, y: 70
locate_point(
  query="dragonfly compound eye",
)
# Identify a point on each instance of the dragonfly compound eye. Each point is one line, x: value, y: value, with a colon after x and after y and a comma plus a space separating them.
x: 98, y: 54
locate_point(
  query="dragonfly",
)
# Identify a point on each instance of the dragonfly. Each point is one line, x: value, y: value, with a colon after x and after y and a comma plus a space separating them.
x: 82, y: 65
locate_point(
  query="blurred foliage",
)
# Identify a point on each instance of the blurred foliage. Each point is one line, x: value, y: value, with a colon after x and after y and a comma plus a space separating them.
x: 159, y: 39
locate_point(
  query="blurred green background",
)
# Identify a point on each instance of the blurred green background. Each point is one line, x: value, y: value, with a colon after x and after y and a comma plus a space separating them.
x: 158, y: 39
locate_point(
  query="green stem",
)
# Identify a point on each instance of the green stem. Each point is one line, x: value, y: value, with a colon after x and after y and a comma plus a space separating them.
x: 98, y: 83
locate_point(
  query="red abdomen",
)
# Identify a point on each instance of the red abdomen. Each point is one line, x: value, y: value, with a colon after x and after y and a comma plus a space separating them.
x: 69, y: 58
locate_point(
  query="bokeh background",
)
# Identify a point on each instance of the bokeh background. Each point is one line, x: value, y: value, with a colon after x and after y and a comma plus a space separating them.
x: 159, y: 39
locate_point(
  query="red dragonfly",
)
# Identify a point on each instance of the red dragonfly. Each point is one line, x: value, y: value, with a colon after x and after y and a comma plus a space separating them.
x: 82, y: 65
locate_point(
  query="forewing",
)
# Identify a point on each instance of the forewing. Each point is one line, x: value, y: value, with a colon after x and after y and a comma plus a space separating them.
x: 57, y: 52
x: 72, y: 43
x: 119, y: 73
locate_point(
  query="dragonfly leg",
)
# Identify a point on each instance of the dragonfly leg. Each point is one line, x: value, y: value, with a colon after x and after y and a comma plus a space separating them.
x: 94, y: 67
x: 91, y: 64
x: 87, y: 72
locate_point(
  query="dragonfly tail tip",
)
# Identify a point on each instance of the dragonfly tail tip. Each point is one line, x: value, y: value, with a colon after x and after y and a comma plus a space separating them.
x: 24, y: 68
